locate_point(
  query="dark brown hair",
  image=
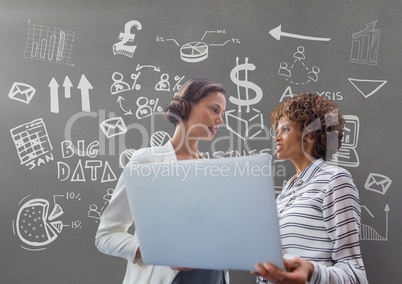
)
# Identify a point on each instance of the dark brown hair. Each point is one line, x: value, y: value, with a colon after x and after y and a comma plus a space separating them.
x: 191, y: 91
x: 318, y: 119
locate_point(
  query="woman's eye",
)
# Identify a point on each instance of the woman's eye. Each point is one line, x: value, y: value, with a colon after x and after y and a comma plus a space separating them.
x: 282, y: 130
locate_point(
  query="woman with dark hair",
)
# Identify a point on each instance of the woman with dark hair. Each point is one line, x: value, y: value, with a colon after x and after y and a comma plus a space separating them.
x: 196, y: 111
x: 318, y: 208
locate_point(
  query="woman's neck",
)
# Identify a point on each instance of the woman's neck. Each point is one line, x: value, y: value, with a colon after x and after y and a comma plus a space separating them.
x: 184, y: 147
x: 301, y: 165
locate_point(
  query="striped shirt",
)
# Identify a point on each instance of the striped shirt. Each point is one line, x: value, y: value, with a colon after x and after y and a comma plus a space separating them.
x: 319, y: 218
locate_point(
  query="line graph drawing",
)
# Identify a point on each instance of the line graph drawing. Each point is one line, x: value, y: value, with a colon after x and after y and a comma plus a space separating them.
x: 368, y: 233
x: 49, y: 44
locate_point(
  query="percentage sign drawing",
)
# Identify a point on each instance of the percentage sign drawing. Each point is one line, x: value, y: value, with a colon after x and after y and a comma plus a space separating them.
x: 178, y: 80
x: 235, y: 40
x: 72, y: 195
x: 76, y: 224
x: 160, y: 38
x: 147, y: 107
x: 154, y: 104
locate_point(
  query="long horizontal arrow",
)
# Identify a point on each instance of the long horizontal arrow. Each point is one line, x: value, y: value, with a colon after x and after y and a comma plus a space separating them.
x: 277, y: 33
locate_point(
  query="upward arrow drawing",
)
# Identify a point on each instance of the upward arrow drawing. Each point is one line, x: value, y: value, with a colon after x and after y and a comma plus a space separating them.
x: 54, y: 96
x: 67, y: 87
x: 84, y: 85
x: 277, y: 33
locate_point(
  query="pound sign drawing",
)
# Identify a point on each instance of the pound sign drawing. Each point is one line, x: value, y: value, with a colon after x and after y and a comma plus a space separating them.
x: 234, y: 76
x: 127, y: 36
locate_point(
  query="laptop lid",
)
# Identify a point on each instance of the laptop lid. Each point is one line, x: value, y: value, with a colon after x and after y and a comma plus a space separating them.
x: 207, y: 213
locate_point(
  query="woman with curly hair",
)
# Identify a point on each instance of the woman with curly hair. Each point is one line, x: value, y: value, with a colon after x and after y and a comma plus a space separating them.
x: 196, y: 112
x: 318, y: 208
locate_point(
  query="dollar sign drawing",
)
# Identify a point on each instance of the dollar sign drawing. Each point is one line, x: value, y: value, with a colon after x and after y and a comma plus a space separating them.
x: 234, y: 76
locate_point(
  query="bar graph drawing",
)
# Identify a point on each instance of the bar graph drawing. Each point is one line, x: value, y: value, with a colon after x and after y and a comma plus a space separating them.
x: 365, y: 45
x: 49, y: 44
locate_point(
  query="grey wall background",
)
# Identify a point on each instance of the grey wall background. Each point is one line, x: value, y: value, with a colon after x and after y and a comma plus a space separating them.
x: 351, y: 54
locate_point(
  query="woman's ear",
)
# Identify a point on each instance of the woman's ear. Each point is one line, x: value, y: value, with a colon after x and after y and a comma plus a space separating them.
x: 308, y: 139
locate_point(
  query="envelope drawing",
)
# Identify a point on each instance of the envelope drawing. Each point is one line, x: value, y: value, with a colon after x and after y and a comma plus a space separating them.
x: 377, y: 183
x: 21, y: 92
x: 113, y: 126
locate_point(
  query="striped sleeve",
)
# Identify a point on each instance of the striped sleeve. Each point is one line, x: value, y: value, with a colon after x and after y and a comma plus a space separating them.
x: 341, y: 216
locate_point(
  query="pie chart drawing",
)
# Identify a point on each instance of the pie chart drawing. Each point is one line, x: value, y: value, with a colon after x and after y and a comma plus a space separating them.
x: 195, y: 51
x: 35, y: 225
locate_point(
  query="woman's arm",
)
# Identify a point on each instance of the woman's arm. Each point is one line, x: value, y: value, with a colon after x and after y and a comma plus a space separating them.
x: 341, y: 213
x: 341, y: 217
x: 112, y: 237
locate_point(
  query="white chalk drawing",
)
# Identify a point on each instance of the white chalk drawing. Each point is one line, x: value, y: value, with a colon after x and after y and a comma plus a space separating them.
x: 32, y: 143
x: 298, y: 72
x: 331, y: 95
x: 135, y: 77
x: 159, y: 138
x: 365, y: 45
x: 244, y: 99
x: 155, y: 68
x: 49, y: 44
x: 21, y: 92
x: 83, y: 85
x: 146, y: 107
x: 126, y: 37
x: 288, y: 93
x: 367, y: 87
x: 67, y: 84
x: 277, y: 33
x: 38, y: 221
x: 347, y: 155
x: 368, y: 233
x: 164, y: 83
x: 245, y: 128
x: 197, y: 51
x: 119, y: 85
x: 241, y: 127
x: 125, y: 157
x: 178, y: 80
x: 82, y: 170
x: 125, y: 112
x: 378, y: 183
x: 95, y: 211
x: 91, y: 167
x: 113, y: 126
x: 68, y: 149
x: 34, y: 225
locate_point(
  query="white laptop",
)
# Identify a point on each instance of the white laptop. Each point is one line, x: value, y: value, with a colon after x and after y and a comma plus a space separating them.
x: 207, y: 213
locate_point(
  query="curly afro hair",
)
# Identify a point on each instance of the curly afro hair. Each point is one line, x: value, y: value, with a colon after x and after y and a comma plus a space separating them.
x: 318, y: 118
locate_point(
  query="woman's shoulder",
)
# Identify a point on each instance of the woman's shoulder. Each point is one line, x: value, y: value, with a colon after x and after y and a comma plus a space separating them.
x: 337, y: 174
x: 152, y: 154
x: 335, y: 169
